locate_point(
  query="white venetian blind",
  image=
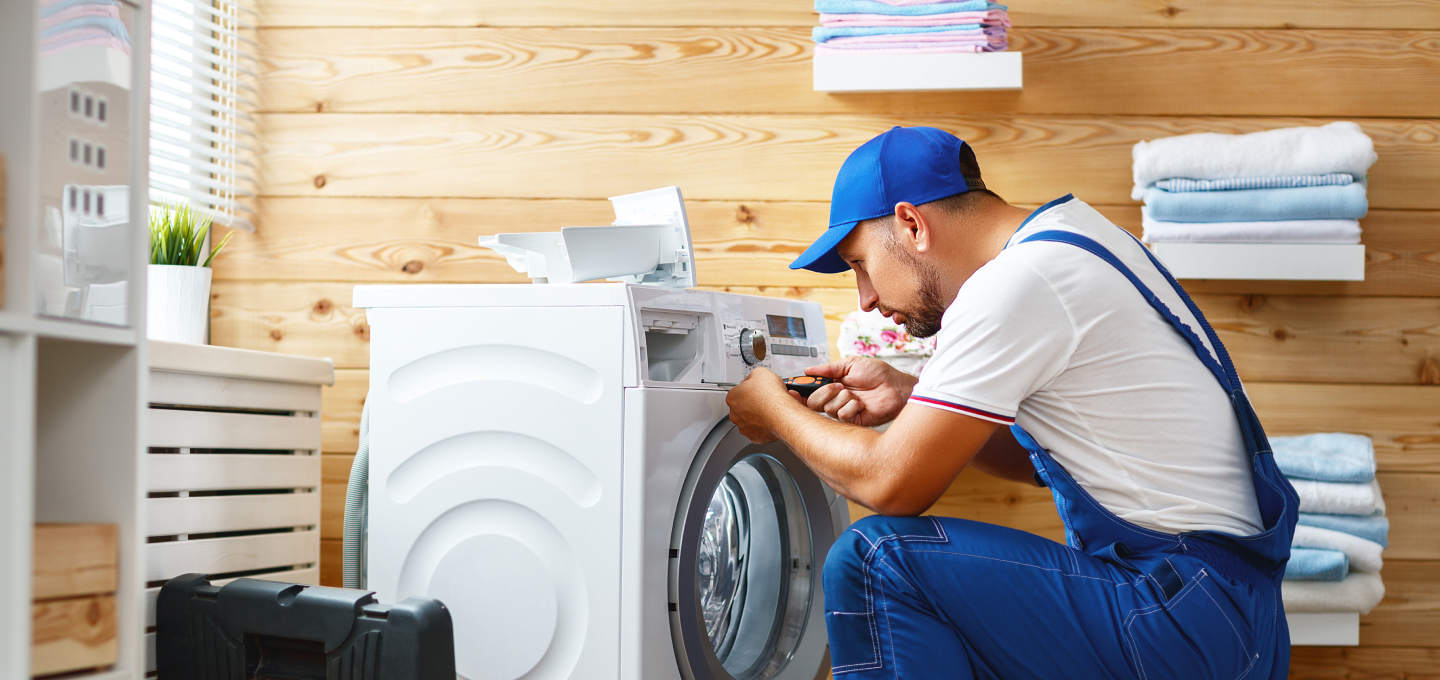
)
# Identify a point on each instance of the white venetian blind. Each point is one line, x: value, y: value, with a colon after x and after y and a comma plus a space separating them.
x: 202, y: 137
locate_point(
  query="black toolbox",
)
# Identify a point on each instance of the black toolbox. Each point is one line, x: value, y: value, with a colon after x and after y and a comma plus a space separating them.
x: 265, y: 630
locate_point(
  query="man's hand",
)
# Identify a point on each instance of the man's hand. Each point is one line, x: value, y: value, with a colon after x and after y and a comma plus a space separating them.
x: 866, y: 391
x: 755, y: 401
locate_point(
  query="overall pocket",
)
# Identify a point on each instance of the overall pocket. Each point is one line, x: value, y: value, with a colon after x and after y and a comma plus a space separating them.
x: 1196, y: 634
x: 854, y: 641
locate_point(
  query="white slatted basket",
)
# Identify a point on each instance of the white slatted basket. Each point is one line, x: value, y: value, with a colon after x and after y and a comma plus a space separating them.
x: 233, y: 471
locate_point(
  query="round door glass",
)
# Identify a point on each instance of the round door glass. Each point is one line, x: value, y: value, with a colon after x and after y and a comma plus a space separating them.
x: 753, y: 568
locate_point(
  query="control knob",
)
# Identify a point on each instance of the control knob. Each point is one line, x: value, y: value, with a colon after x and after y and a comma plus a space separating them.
x: 752, y: 347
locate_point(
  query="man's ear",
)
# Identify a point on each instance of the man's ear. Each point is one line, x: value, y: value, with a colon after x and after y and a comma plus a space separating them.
x: 911, y: 227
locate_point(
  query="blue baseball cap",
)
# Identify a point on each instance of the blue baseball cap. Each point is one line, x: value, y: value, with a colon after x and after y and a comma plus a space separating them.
x: 914, y: 165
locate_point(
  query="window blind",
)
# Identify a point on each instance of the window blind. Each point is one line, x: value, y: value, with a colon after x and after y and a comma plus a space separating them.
x: 202, y: 136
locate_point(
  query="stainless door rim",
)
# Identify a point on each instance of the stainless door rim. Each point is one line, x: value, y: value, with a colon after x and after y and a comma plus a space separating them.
x: 779, y: 488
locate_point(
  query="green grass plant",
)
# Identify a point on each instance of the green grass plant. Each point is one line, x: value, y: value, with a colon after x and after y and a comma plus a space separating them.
x: 177, y: 235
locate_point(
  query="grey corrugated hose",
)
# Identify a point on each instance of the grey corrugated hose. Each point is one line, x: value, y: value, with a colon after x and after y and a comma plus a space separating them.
x: 357, y: 505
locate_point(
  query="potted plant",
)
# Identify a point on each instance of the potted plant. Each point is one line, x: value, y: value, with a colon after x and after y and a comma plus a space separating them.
x: 178, y: 296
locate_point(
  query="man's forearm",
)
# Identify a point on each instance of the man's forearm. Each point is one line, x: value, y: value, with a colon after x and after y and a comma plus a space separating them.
x: 845, y: 456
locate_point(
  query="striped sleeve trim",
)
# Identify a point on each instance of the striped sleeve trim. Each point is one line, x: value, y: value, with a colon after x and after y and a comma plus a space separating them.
x: 963, y: 409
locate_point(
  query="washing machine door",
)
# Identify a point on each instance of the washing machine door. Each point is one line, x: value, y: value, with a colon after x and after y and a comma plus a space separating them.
x: 753, y: 527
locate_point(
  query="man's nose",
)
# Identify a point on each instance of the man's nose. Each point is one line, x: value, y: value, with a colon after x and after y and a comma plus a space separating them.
x: 869, y: 300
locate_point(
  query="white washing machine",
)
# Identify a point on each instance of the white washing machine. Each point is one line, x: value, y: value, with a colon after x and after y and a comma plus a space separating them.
x: 554, y: 462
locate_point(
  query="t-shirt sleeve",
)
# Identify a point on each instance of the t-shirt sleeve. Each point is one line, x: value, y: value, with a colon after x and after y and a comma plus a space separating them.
x: 1004, y: 337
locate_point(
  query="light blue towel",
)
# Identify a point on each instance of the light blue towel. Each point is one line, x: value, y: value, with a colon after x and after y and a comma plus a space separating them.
x: 1258, y: 205
x: 108, y: 24
x: 1180, y: 184
x: 1374, y: 527
x: 872, y: 7
x: 1326, y: 457
x: 820, y: 33
x: 1309, y: 564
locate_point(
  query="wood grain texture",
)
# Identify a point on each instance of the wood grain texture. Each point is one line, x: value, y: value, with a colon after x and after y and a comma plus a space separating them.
x: 1407, y: 615
x: 1416, y: 14
x: 332, y: 496
x: 1027, y: 159
x: 75, y: 559
x: 1364, y: 663
x: 73, y: 634
x: 332, y: 562
x: 433, y: 240
x: 1086, y: 71
x: 1328, y: 340
x: 1402, y: 420
x: 344, y: 402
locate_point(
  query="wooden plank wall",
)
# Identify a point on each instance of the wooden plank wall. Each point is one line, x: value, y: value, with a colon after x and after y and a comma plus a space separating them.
x: 396, y: 132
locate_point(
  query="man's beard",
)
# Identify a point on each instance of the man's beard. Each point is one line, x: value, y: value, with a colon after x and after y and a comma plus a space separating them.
x: 924, y: 320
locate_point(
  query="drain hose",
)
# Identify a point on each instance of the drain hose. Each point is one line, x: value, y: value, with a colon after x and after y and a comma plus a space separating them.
x: 357, y: 505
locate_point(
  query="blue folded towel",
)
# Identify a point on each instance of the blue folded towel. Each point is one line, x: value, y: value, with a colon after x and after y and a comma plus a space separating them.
x: 1181, y: 184
x: 1310, y: 564
x: 1374, y: 527
x: 872, y: 7
x: 820, y: 33
x: 1258, y: 205
x: 109, y: 24
x: 1326, y: 457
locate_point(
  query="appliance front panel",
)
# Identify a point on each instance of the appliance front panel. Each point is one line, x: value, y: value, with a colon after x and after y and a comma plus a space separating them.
x: 495, y: 480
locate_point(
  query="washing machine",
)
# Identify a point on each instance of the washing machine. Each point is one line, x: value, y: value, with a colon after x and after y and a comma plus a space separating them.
x: 554, y: 462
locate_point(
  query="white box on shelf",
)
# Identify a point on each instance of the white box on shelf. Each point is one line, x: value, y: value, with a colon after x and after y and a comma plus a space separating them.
x: 1324, y: 629
x: 900, y: 72
x: 1264, y: 261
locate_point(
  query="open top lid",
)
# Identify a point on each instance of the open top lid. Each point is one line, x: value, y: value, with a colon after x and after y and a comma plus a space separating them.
x: 649, y: 243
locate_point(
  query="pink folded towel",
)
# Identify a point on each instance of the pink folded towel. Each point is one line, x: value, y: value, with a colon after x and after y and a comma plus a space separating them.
x: 994, y: 17
x: 972, y: 36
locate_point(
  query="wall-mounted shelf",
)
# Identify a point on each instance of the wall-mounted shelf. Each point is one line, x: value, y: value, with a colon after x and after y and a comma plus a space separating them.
x: 1263, y: 261
x: 1340, y: 629
x: 909, y: 72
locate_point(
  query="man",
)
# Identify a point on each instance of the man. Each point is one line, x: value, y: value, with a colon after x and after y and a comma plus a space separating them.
x: 1121, y: 400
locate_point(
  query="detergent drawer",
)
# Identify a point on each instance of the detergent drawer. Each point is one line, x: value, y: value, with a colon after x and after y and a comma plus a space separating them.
x: 495, y: 471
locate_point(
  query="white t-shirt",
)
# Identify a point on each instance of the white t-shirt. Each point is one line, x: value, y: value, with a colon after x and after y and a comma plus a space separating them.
x: 1052, y: 337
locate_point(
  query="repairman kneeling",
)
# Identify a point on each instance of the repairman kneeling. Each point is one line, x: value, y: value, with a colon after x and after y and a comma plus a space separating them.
x: 1118, y: 396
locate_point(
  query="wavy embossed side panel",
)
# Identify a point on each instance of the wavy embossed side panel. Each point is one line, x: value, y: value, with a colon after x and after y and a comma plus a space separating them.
x: 513, y: 586
x: 498, y: 449
x: 507, y: 363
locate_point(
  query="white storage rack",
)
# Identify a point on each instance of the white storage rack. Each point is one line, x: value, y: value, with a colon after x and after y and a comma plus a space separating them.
x: 71, y: 404
x: 233, y: 469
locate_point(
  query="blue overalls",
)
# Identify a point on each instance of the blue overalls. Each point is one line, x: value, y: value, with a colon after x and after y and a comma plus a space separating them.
x: 936, y: 597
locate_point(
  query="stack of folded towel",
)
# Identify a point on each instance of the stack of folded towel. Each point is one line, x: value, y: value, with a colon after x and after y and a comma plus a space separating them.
x: 67, y: 24
x: 910, y: 26
x: 1335, y: 557
x: 1292, y: 185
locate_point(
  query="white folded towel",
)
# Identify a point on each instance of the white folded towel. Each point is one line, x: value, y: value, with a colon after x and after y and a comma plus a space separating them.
x: 1364, y: 555
x: 1288, y: 231
x: 1335, y: 498
x: 1357, y: 593
x: 1337, y: 147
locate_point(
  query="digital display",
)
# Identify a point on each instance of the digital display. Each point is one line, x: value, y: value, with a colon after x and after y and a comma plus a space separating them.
x: 786, y: 327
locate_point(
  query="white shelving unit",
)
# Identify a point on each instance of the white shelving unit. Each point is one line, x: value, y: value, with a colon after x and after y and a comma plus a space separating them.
x: 908, y: 72
x: 71, y: 405
x: 1339, y: 629
x: 1263, y: 261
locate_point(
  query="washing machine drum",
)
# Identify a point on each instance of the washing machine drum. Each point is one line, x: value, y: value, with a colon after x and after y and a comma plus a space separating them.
x: 751, y: 534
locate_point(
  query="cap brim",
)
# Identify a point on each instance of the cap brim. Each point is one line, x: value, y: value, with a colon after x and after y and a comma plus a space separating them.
x: 821, y: 256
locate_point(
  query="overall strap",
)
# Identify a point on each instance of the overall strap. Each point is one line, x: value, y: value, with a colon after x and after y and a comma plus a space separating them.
x: 1222, y: 369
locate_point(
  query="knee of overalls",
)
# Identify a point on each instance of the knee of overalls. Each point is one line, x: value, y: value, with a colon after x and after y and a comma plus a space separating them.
x: 848, y: 565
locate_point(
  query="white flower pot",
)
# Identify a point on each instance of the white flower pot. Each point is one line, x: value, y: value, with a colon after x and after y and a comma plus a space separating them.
x: 178, y: 303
